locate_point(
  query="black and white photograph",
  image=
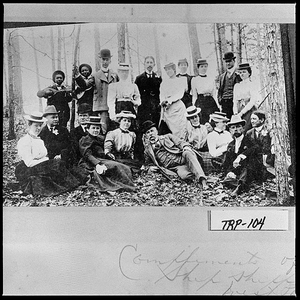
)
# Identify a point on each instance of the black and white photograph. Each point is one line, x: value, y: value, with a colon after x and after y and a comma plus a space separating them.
x: 127, y: 127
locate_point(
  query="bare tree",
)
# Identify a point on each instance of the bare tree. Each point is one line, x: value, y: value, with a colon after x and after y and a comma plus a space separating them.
x: 65, y: 58
x: 195, y: 47
x: 97, y: 46
x: 59, y: 41
x: 231, y: 34
x: 239, y: 44
x: 52, y: 49
x: 121, y: 42
x: 138, y: 48
x: 218, y: 58
x: 128, y: 51
x: 222, y: 44
x: 157, y: 53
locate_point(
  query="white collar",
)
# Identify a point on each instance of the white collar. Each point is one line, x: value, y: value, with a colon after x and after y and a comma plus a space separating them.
x: 239, y: 139
x: 231, y: 71
x: 259, y: 129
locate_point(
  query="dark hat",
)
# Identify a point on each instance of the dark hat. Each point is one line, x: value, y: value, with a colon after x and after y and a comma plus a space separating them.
x: 94, y: 120
x: 56, y: 73
x: 218, y: 116
x: 125, y: 114
x: 105, y: 53
x: 50, y: 110
x: 147, y: 125
x: 235, y: 119
x: 192, y: 111
x: 85, y: 65
x: 201, y: 62
x: 170, y: 65
x: 182, y: 61
x: 35, y: 116
x: 84, y: 108
x: 228, y: 56
x: 244, y: 66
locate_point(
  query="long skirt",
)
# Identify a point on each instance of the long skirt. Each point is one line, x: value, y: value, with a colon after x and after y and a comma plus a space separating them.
x: 208, y: 106
x: 117, y: 177
x: 49, y: 178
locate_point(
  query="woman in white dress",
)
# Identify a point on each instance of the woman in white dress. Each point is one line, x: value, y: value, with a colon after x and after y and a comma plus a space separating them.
x: 173, y: 109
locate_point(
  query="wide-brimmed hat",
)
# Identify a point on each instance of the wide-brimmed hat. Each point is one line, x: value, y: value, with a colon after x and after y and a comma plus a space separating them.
x: 170, y: 65
x: 123, y: 67
x: 201, y: 61
x: 218, y: 116
x: 125, y: 114
x: 84, y: 108
x: 244, y: 66
x: 147, y: 125
x: 35, y: 116
x: 236, y: 119
x: 85, y: 65
x: 192, y: 111
x: 182, y: 61
x: 104, y: 53
x: 94, y: 120
x: 58, y: 72
x: 228, y: 56
x: 50, y: 110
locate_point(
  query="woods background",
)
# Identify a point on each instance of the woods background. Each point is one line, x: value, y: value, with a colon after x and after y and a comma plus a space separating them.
x: 32, y: 53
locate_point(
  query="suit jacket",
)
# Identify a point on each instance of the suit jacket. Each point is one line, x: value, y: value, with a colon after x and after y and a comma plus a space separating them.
x: 85, y: 89
x: 101, y: 89
x: 236, y: 79
x: 75, y: 135
x: 57, y: 144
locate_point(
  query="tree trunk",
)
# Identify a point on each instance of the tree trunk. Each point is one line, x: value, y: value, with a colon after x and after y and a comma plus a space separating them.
x: 37, y: 70
x: 6, y: 99
x: 157, y: 53
x: 239, y: 44
x: 75, y: 63
x: 231, y: 33
x: 138, y: 48
x: 128, y: 50
x: 11, y: 104
x: 218, y: 59
x: 52, y: 49
x: 288, y: 40
x: 194, y: 42
x: 59, y: 48
x: 121, y: 42
x: 97, y: 47
x: 65, y: 59
x: 278, y: 110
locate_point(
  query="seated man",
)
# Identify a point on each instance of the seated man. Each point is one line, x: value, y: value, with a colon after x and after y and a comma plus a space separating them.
x: 241, y: 164
x: 168, y: 152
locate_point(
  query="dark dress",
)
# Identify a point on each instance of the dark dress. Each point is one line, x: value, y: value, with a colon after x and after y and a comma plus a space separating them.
x: 187, y: 97
x: 208, y: 106
x: 117, y: 177
x: 75, y: 135
x: 85, y: 90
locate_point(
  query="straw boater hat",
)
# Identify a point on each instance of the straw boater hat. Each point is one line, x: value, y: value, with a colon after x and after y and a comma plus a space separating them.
x: 123, y: 67
x: 235, y: 119
x: 218, y: 116
x: 192, y: 111
x: 50, y: 110
x: 125, y: 114
x: 201, y: 62
x: 182, y: 61
x: 228, y: 56
x: 58, y: 72
x: 105, y: 53
x: 35, y: 116
x: 147, y: 125
x: 94, y: 120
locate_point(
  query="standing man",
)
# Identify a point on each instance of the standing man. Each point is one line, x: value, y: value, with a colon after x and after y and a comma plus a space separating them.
x: 227, y: 81
x: 182, y: 66
x: 103, y: 78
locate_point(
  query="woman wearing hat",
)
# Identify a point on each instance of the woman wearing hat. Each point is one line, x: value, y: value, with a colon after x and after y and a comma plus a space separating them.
x: 197, y: 136
x: 58, y: 95
x: 204, y: 91
x: 108, y: 175
x: 119, y: 144
x: 37, y: 174
x: 84, y: 90
x: 245, y: 95
x: 173, y: 109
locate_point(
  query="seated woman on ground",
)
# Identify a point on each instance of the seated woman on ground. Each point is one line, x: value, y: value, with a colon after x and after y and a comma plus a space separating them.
x: 108, y: 175
x: 36, y: 173
x: 119, y: 143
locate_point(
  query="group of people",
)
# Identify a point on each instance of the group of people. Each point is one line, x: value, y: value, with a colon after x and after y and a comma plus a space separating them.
x: 177, y: 125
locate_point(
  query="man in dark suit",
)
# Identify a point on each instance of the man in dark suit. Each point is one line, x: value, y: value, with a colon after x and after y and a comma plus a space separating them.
x: 227, y: 81
x: 241, y: 164
x: 187, y: 97
x: 84, y: 111
x: 56, y: 137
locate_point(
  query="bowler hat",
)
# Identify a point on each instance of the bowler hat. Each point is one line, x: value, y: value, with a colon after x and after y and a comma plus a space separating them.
x: 125, y: 114
x: 192, y: 111
x: 105, y: 53
x: 236, y: 119
x: 58, y: 72
x: 228, y: 56
x: 201, y: 62
x: 84, y: 108
x: 50, y: 110
x: 218, y: 116
x: 85, y: 65
x: 35, y: 116
x: 182, y: 61
x: 94, y: 120
x: 170, y: 65
x: 147, y: 125
x: 123, y: 67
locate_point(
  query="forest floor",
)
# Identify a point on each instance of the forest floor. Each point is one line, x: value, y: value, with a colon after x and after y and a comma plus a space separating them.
x: 152, y: 189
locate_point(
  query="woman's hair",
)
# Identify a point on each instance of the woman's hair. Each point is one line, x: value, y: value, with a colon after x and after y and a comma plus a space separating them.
x: 260, y: 114
x: 212, y: 123
x: 29, y: 123
x: 149, y: 56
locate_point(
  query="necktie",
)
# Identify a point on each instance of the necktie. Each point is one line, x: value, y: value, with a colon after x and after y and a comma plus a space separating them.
x: 51, y: 129
x: 197, y: 126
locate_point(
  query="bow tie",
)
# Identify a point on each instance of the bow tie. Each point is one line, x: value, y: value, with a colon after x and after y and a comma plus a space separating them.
x: 196, y: 126
x: 202, y: 75
x: 104, y: 71
x: 219, y: 132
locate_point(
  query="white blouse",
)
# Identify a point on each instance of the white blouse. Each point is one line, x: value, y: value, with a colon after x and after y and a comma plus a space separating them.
x: 32, y: 150
x: 203, y: 85
x: 218, y: 142
x: 172, y: 89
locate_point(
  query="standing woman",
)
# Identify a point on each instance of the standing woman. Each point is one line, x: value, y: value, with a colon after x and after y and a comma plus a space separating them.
x: 173, y: 109
x: 37, y: 174
x: 204, y: 91
x: 245, y: 95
